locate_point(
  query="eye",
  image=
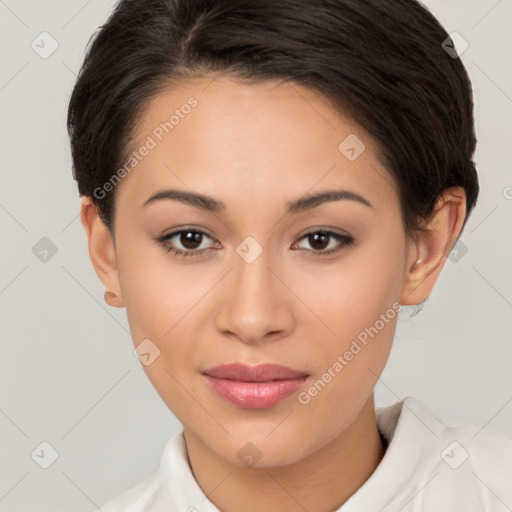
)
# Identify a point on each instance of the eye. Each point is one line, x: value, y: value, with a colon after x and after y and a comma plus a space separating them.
x: 185, y: 242
x: 321, y: 240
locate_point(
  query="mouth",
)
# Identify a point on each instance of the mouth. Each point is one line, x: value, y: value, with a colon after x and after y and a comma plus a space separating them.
x: 254, y: 387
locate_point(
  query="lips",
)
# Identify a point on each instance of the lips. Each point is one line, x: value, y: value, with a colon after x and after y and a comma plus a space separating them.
x: 260, y: 373
x: 254, y: 387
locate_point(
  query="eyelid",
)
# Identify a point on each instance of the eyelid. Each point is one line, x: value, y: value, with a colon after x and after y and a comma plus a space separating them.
x: 180, y: 253
x: 178, y: 231
x: 344, y: 240
x: 325, y: 229
x: 191, y: 227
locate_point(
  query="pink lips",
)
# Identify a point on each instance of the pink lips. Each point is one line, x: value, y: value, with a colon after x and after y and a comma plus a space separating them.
x: 254, y: 387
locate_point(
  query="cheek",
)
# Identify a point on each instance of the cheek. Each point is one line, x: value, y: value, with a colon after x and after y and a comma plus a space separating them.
x: 358, y: 301
x: 160, y: 299
x: 352, y: 294
x: 346, y: 367
x: 157, y: 293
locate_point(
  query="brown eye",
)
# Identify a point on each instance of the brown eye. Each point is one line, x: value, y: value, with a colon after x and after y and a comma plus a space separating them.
x: 185, y: 242
x: 190, y: 239
x: 319, y: 241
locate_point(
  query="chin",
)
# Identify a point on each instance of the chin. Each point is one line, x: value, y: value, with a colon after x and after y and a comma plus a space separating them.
x: 259, y: 451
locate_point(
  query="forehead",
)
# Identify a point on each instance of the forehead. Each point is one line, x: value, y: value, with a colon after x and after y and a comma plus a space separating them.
x: 218, y: 135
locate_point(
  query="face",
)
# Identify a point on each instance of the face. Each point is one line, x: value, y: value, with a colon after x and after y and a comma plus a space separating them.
x: 261, y: 272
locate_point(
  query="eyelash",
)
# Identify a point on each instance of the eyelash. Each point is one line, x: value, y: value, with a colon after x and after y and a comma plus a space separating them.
x: 345, y: 239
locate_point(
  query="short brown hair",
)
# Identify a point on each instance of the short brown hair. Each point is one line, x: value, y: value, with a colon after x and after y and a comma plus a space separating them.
x: 380, y: 61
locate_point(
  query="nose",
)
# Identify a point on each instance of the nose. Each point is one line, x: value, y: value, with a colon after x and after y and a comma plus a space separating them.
x: 255, y: 306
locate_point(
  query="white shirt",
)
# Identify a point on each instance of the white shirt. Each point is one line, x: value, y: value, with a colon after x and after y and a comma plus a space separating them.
x: 428, y: 467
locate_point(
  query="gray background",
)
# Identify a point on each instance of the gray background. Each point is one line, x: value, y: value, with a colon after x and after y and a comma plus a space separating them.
x: 68, y: 374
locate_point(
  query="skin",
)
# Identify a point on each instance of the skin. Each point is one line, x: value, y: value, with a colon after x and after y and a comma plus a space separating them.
x: 256, y: 147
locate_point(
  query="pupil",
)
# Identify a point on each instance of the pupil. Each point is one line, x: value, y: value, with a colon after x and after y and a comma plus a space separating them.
x: 190, y: 238
x: 319, y: 240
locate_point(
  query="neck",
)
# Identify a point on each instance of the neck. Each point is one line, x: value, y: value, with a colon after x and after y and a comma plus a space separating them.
x: 320, y: 482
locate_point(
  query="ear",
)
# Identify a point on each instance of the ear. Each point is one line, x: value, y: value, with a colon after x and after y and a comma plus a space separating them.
x: 101, y: 251
x: 428, y: 253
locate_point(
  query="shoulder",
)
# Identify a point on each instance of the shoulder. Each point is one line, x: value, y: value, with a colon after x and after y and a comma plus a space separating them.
x: 151, y: 490
x: 136, y: 498
x: 172, y: 487
x: 457, y: 465
x: 479, y: 443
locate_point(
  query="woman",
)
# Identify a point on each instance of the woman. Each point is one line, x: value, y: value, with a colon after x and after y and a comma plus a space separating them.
x: 265, y: 185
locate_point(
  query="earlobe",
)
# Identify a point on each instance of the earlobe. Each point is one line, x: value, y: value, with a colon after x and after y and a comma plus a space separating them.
x: 428, y: 253
x: 101, y: 251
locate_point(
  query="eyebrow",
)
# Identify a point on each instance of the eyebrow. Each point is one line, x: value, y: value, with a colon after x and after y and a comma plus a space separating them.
x: 302, y: 204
